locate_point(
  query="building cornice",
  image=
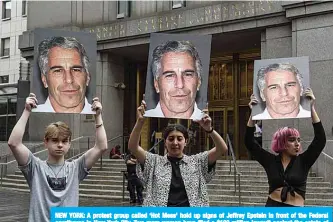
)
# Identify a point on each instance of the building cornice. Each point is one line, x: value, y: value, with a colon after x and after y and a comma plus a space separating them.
x: 298, y: 9
x: 216, y: 18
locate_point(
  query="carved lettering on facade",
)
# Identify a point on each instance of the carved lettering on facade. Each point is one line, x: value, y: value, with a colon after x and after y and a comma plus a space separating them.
x: 174, y: 20
x: 122, y: 31
x: 216, y: 16
x: 208, y: 14
x: 225, y: 13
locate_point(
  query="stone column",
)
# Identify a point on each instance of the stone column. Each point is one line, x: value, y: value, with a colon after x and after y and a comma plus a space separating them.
x: 312, y: 31
x: 110, y: 72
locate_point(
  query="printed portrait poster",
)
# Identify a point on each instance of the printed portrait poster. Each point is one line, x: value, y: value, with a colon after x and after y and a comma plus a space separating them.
x: 177, y: 75
x: 64, y: 71
x: 279, y: 86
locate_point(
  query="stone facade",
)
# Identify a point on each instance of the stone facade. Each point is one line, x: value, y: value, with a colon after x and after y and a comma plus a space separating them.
x: 11, y: 27
x: 297, y: 28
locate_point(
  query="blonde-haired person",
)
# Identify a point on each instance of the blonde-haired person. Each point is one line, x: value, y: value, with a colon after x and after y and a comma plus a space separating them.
x: 54, y: 182
x: 287, y: 172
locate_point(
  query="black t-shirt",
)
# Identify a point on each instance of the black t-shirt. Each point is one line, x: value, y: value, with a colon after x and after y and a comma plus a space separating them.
x: 131, y: 168
x: 177, y: 194
x: 293, y: 178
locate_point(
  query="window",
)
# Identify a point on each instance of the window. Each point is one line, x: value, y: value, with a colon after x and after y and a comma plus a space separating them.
x: 5, y: 47
x: 89, y: 117
x: 4, y: 79
x: 7, y: 116
x: 6, y: 9
x: 123, y: 8
x: 178, y: 4
x: 24, y: 7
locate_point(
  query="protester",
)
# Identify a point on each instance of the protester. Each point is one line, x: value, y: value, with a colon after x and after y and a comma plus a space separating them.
x: 133, y: 182
x: 115, y: 152
x: 176, y: 180
x: 54, y: 182
x: 287, y: 172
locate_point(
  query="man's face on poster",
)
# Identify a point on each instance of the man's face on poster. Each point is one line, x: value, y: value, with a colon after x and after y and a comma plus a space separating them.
x: 66, y: 78
x: 282, y: 93
x: 177, y: 82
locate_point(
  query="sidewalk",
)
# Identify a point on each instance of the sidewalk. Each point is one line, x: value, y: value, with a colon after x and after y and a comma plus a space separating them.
x: 14, y: 205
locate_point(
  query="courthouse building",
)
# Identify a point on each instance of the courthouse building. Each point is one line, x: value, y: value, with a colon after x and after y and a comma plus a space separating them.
x: 242, y: 31
x: 13, y: 21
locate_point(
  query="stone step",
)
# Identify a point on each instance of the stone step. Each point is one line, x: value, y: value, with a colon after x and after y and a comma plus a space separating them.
x: 253, y: 169
x: 212, y: 203
x: 218, y: 173
x: 220, y: 199
x: 110, y: 197
x: 214, y: 190
x: 245, y: 172
x: 224, y: 170
x: 85, y: 196
x: 17, y: 185
x: 17, y: 189
x: 103, y: 186
x: 106, y: 173
x: 106, y: 182
x: 233, y: 203
x: 118, y: 192
x: 116, y: 189
x: 229, y: 181
x: 118, y: 199
x: 90, y: 176
x: 248, y: 204
x: 264, y: 193
x: 226, y: 195
x: 225, y: 187
x: 108, y: 162
x: 104, y: 192
x: 258, y: 199
x: 218, y: 165
x: 116, y: 184
x: 109, y: 166
x: 264, y: 183
x: 118, y: 176
x: 218, y: 176
x: 311, y: 189
x: 259, y: 178
x: 219, y: 170
x: 215, y: 200
x: 241, y: 167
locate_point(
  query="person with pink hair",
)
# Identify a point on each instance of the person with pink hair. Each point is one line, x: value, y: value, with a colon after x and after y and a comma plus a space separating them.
x: 287, y: 172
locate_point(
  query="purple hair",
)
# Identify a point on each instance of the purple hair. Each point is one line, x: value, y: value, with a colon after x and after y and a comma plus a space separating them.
x: 280, y: 138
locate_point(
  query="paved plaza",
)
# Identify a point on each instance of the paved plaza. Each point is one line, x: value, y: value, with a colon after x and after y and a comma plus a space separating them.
x: 14, y: 205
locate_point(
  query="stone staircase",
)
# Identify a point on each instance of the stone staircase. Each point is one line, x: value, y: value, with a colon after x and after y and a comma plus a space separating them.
x: 254, y: 187
x: 107, y: 183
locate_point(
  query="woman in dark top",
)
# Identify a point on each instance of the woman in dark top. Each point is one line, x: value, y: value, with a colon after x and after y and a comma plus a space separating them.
x: 287, y: 172
x: 176, y: 180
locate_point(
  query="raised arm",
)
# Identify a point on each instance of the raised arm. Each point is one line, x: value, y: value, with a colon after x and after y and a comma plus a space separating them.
x: 308, y: 93
x: 261, y: 155
x: 133, y: 143
x: 220, y: 146
x: 101, y: 143
x: 20, y: 151
x: 319, y: 141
